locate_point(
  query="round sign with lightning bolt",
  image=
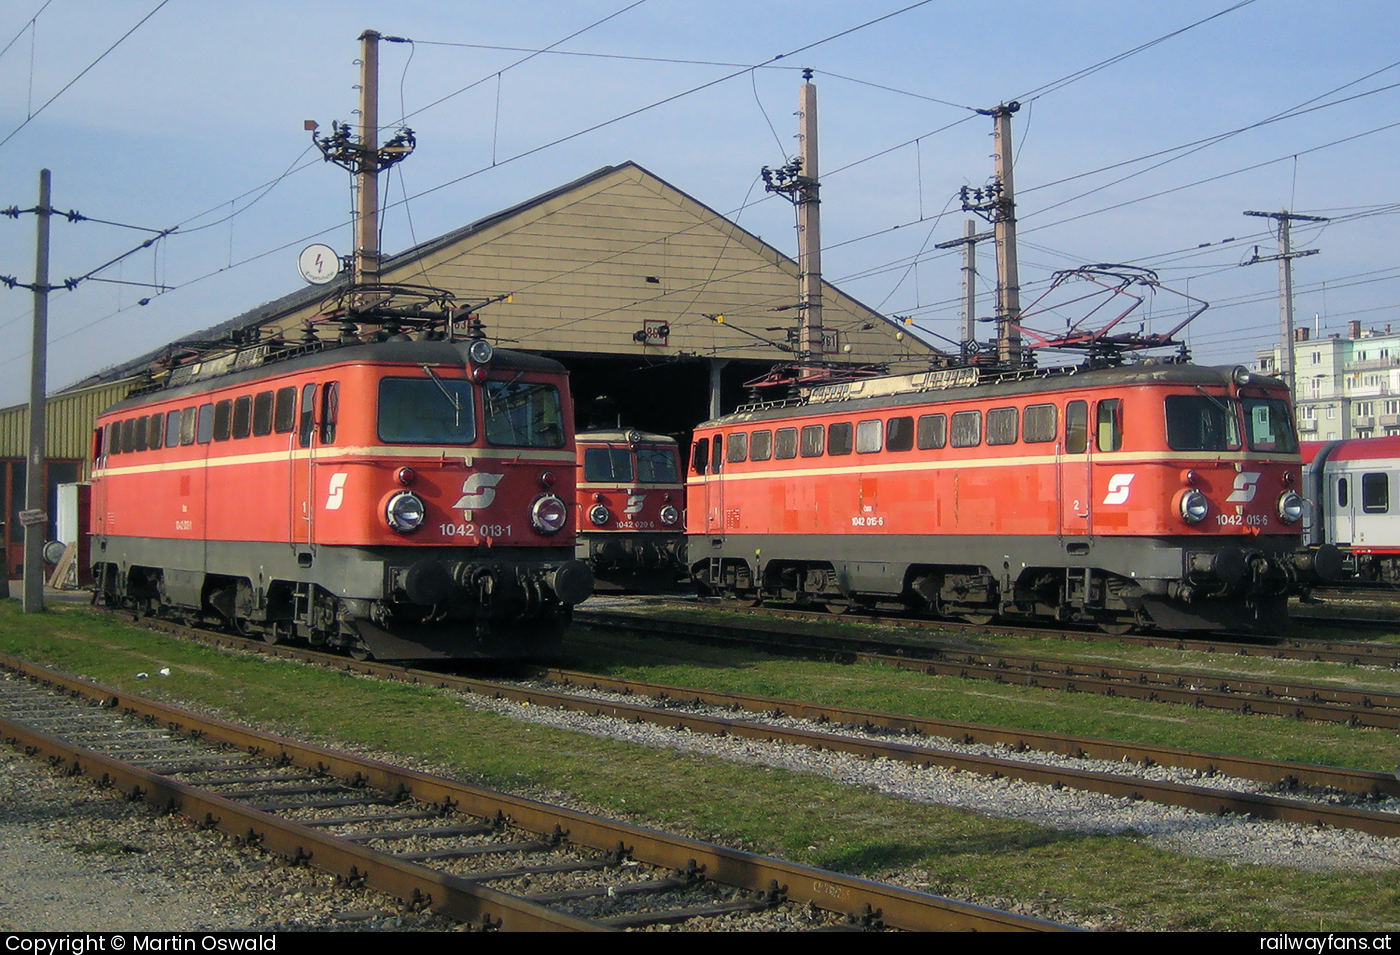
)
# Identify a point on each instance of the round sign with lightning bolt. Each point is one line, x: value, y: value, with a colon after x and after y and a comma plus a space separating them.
x: 318, y: 264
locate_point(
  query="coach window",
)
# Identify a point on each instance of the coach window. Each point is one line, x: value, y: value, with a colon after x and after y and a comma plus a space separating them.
x: 172, y: 429
x: 786, y: 444
x: 262, y: 414
x: 205, y: 429
x: 1002, y: 425
x: 1076, y: 427
x: 899, y: 434
x: 737, y: 450
x: 933, y: 431
x: 967, y: 429
x: 306, y: 427
x: 840, y: 438
x: 1039, y: 424
x: 1341, y: 492
x: 223, y: 419
x: 330, y: 411
x: 284, y: 419
x: 1110, y: 425
x: 761, y: 446
x: 243, y: 416
x: 716, y: 455
x: 813, y: 440
x: 870, y: 436
x: 1375, y: 493
x: 701, y: 455
x: 607, y: 465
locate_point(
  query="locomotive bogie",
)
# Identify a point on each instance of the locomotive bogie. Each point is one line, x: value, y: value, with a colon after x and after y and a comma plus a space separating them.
x: 390, y: 499
x: 1164, y: 495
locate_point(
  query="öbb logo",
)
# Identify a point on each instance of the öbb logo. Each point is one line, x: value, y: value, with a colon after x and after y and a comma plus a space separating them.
x: 478, y: 491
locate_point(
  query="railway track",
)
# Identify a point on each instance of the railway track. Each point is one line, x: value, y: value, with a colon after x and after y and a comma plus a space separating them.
x: 485, y: 858
x: 1294, y: 700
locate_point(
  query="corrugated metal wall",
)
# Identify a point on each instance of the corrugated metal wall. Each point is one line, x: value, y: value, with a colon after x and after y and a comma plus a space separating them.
x: 70, y: 417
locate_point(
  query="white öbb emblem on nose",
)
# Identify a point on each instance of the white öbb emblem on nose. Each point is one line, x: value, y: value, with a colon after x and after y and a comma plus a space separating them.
x: 635, y: 503
x: 1118, y: 487
x: 478, y: 491
x: 1246, y: 483
x: 337, y: 491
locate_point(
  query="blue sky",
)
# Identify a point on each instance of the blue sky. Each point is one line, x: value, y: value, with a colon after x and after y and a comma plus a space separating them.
x: 187, y: 121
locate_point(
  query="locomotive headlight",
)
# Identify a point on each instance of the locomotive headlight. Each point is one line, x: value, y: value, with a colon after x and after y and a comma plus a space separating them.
x: 1193, y: 506
x: 405, y: 512
x: 549, y: 514
x: 669, y: 515
x: 480, y: 352
x: 598, y: 515
x: 1290, y: 507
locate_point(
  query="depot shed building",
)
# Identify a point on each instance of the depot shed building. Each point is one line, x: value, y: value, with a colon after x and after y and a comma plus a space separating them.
x: 616, y: 274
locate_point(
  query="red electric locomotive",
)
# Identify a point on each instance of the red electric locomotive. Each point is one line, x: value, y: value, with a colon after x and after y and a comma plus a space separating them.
x: 1160, y: 494
x: 399, y: 498
x: 630, y: 500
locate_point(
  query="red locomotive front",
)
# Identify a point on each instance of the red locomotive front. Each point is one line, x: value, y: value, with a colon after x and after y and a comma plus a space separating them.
x: 400, y: 499
x: 630, y: 503
x: 1154, y: 494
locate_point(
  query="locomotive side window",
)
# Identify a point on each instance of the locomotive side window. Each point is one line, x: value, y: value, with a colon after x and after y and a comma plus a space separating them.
x: 933, y: 431
x: 128, y: 445
x: 967, y: 429
x: 113, y: 443
x: 813, y: 440
x: 1269, y: 425
x: 899, y: 434
x: 262, y: 414
x: 223, y: 419
x: 1375, y: 492
x: 142, y: 429
x: 1110, y: 425
x: 205, y: 430
x: 1202, y: 423
x: 840, y: 438
x: 657, y: 466
x: 172, y: 429
x: 1077, y: 427
x: 1002, y: 425
x: 607, y: 465
x: 284, y: 418
x: 306, y: 426
x: 416, y: 411
x: 188, y: 419
x: 524, y: 414
x: 761, y: 446
x: 330, y: 411
x: 870, y: 436
x: 243, y: 416
x: 716, y: 455
x: 738, y: 447
x: 701, y: 455
x: 157, y: 432
x: 1039, y: 424
x: 786, y: 444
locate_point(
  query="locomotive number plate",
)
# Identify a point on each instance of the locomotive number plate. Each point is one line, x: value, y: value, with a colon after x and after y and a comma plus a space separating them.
x: 867, y: 521
x: 474, y: 530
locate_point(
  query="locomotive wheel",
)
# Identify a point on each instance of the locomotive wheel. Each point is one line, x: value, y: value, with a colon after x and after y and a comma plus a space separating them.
x: 1117, y: 628
x: 978, y: 619
x: 838, y: 607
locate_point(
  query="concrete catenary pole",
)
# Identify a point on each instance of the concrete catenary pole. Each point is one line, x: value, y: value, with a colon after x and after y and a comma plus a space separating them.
x: 809, y: 227
x: 34, y: 518
x: 969, y: 241
x: 1004, y: 227
x: 1285, y: 258
x: 367, y: 177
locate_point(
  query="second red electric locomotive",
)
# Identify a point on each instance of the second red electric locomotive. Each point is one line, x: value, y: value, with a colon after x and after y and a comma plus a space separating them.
x: 631, y: 504
x: 1159, y: 494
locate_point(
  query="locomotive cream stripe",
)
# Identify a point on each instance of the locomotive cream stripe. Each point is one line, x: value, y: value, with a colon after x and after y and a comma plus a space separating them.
x: 1195, y: 459
x: 454, y: 454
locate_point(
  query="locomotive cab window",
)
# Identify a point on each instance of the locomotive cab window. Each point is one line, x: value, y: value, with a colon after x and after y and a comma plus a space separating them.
x: 330, y: 411
x: 306, y: 425
x: 1076, y: 427
x: 416, y: 411
x: 1269, y: 425
x: 1202, y: 422
x: 607, y: 465
x: 716, y: 455
x: 1109, y: 433
x: 657, y: 466
x: 524, y: 414
x: 1375, y: 492
x: 701, y: 455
